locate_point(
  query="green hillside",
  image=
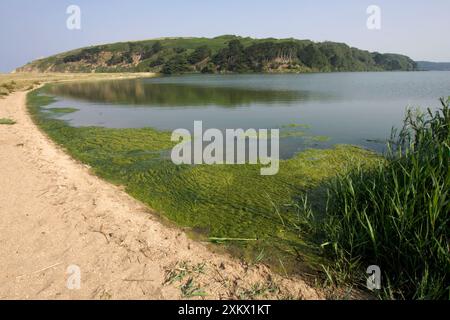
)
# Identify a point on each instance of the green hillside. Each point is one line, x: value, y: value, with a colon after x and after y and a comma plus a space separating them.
x: 220, y: 55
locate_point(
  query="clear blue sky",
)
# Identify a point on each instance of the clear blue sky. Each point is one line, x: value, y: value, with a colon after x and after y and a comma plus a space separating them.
x: 31, y: 29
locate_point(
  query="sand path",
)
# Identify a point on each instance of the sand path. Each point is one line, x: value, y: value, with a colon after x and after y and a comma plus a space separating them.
x: 54, y: 213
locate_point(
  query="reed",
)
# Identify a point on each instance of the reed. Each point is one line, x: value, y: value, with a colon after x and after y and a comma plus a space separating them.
x: 397, y: 215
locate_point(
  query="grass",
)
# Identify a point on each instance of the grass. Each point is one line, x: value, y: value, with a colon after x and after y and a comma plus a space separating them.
x: 397, y: 214
x: 222, y: 204
x: 182, y: 270
x: 6, y: 121
x: 258, y: 291
x: 190, y: 289
x: 178, y: 273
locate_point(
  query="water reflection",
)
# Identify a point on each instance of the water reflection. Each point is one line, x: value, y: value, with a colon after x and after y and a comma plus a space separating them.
x: 138, y: 92
x: 350, y: 108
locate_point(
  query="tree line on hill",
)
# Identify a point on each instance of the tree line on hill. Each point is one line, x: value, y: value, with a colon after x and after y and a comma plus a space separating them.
x: 232, y: 56
x: 270, y: 56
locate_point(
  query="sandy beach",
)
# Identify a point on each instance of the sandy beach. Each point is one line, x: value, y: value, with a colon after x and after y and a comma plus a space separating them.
x: 54, y: 214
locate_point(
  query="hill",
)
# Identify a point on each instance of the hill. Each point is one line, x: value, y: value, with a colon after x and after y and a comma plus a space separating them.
x: 433, y: 66
x: 220, y: 55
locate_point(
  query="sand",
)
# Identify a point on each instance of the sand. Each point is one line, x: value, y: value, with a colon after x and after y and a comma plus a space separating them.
x: 55, y: 214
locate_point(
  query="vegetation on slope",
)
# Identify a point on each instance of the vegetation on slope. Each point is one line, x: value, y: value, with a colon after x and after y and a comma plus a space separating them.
x: 221, y: 54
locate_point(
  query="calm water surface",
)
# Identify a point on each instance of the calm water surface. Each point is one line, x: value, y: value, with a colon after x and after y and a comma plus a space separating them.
x: 312, y: 110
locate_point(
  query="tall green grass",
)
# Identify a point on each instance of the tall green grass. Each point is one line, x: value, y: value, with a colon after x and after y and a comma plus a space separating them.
x: 397, y: 215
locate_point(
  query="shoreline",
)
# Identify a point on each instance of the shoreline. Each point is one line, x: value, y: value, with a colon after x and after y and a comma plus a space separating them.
x: 71, y: 217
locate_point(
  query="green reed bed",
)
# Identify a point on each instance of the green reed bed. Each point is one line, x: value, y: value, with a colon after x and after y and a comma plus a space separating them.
x: 397, y: 215
x: 235, y: 206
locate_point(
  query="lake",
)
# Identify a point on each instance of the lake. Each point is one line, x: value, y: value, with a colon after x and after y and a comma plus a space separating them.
x: 312, y: 110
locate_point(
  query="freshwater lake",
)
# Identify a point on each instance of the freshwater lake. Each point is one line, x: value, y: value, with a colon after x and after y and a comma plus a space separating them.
x: 311, y: 110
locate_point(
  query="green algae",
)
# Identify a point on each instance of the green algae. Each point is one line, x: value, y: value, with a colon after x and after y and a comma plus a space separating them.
x: 213, y: 201
x: 64, y: 110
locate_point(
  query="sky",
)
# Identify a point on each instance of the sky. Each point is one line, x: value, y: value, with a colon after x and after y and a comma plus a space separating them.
x: 31, y: 29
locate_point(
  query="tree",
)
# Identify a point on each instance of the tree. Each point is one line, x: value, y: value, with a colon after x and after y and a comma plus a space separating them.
x: 199, y: 54
x: 149, y: 51
x: 176, y: 65
x: 312, y: 57
x: 232, y: 58
x: 209, y: 68
x: 157, y: 47
x: 158, y: 62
